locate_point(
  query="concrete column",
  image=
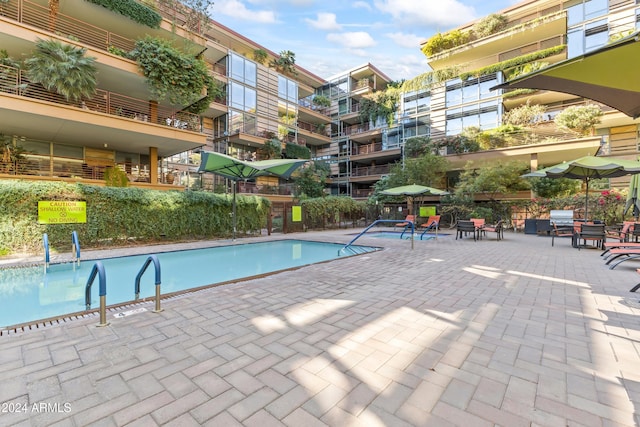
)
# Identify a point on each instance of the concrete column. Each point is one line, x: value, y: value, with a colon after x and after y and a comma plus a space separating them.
x: 153, y: 165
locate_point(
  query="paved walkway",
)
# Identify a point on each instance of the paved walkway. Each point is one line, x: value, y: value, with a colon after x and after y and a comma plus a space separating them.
x: 452, y: 333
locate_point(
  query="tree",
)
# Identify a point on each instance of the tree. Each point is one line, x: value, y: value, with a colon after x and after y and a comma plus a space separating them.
x: 311, y: 180
x: 554, y: 187
x: 491, y: 180
x: 63, y: 69
x: 428, y: 169
x: 272, y: 149
x: 418, y: 146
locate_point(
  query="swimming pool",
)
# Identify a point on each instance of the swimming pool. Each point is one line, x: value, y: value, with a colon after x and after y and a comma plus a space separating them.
x: 27, y: 294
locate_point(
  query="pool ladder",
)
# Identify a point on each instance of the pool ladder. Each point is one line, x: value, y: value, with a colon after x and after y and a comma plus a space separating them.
x: 98, y: 271
x: 378, y: 221
x: 75, y: 249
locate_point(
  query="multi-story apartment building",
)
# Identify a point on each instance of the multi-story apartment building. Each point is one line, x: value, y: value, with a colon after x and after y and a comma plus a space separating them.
x: 533, y: 31
x: 442, y: 107
x: 124, y: 125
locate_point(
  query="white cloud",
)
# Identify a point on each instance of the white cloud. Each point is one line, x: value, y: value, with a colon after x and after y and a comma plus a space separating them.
x: 361, y: 5
x: 238, y: 10
x: 405, y: 40
x: 325, y: 21
x: 440, y: 13
x: 352, y: 40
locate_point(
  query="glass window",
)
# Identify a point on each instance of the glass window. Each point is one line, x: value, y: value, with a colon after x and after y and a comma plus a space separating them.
x: 342, y: 106
x: 292, y: 91
x: 69, y: 151
x: 243, y: 98
x: 250, y: 73
x: 596, y: 35
x: 237, y: 67
x: 595, y: 8
x: 575, y: 45
x: 243, y: 70
x: 36, y: 147
x: 237, y: 96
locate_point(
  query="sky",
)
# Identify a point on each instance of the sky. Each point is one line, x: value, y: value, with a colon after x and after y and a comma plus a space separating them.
x: 329, y: 37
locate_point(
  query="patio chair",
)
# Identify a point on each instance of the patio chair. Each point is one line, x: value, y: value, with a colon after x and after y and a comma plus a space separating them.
x: 432, y: 224
x: 562, y: 231
x: 623, y: 234
x: 497, y: 228
x: 411, y: 218
x: 594, y: 232
x: 465, y: 227
x: 479, y: 223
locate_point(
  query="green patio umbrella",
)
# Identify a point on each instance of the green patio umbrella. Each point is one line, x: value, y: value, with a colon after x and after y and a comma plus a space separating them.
x: 413, y: 190
x: 633, y: 197
x: 588, y: 168
x: 608, y: 75
x: 236, y: 170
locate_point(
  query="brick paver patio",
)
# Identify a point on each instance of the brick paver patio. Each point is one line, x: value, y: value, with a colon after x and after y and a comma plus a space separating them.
x: 451, y: 333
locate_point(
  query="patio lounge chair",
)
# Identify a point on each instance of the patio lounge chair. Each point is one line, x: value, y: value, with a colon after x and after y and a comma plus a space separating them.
x: 465, y: 227
x: 405, y: 224
x: 432, y: 224
x: 620, y: 255
x: 607, y: 246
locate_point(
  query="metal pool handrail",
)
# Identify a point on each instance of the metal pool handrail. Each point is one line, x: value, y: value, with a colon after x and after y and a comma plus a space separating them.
x: 45, y: 244
x: 75, y: 247
x: 98, y: 269
x: 380, y: 221
x: 156, y: 265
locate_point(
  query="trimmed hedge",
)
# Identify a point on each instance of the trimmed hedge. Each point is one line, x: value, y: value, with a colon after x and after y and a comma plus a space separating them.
x: 117, y: 216
x: 132, y: 10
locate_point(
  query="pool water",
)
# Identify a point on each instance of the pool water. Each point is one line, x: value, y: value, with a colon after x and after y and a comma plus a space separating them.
x: 28, y: 294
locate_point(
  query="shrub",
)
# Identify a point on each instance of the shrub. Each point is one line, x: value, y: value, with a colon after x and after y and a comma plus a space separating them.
x: 441, y: 42
x: 116, y: 216
x: 490, y: 25
x: 580, y: 119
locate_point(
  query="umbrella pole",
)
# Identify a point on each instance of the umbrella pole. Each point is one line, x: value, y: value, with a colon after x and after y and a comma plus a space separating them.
x: 586, y: 202
x: 235, y: 183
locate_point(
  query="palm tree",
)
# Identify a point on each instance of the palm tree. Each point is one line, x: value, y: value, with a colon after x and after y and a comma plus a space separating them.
x: 63, y: 69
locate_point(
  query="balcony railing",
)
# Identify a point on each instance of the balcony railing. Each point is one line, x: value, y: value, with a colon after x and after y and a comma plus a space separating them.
x: 355, y: 129
x: 371, y: 170
x: 310, y: 127
x: 368, y: 149
x: 254, y: 188
x: 39, y: 16
x: 38, y: 165
x: 307, y: 103
x: 15, y: 81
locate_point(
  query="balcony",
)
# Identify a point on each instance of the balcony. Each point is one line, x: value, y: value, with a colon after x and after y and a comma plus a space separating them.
x: 486, y: 51
x: 315, y: 134
x: 372, y: 173
x: 29, y: 109
x: 81, y: 29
